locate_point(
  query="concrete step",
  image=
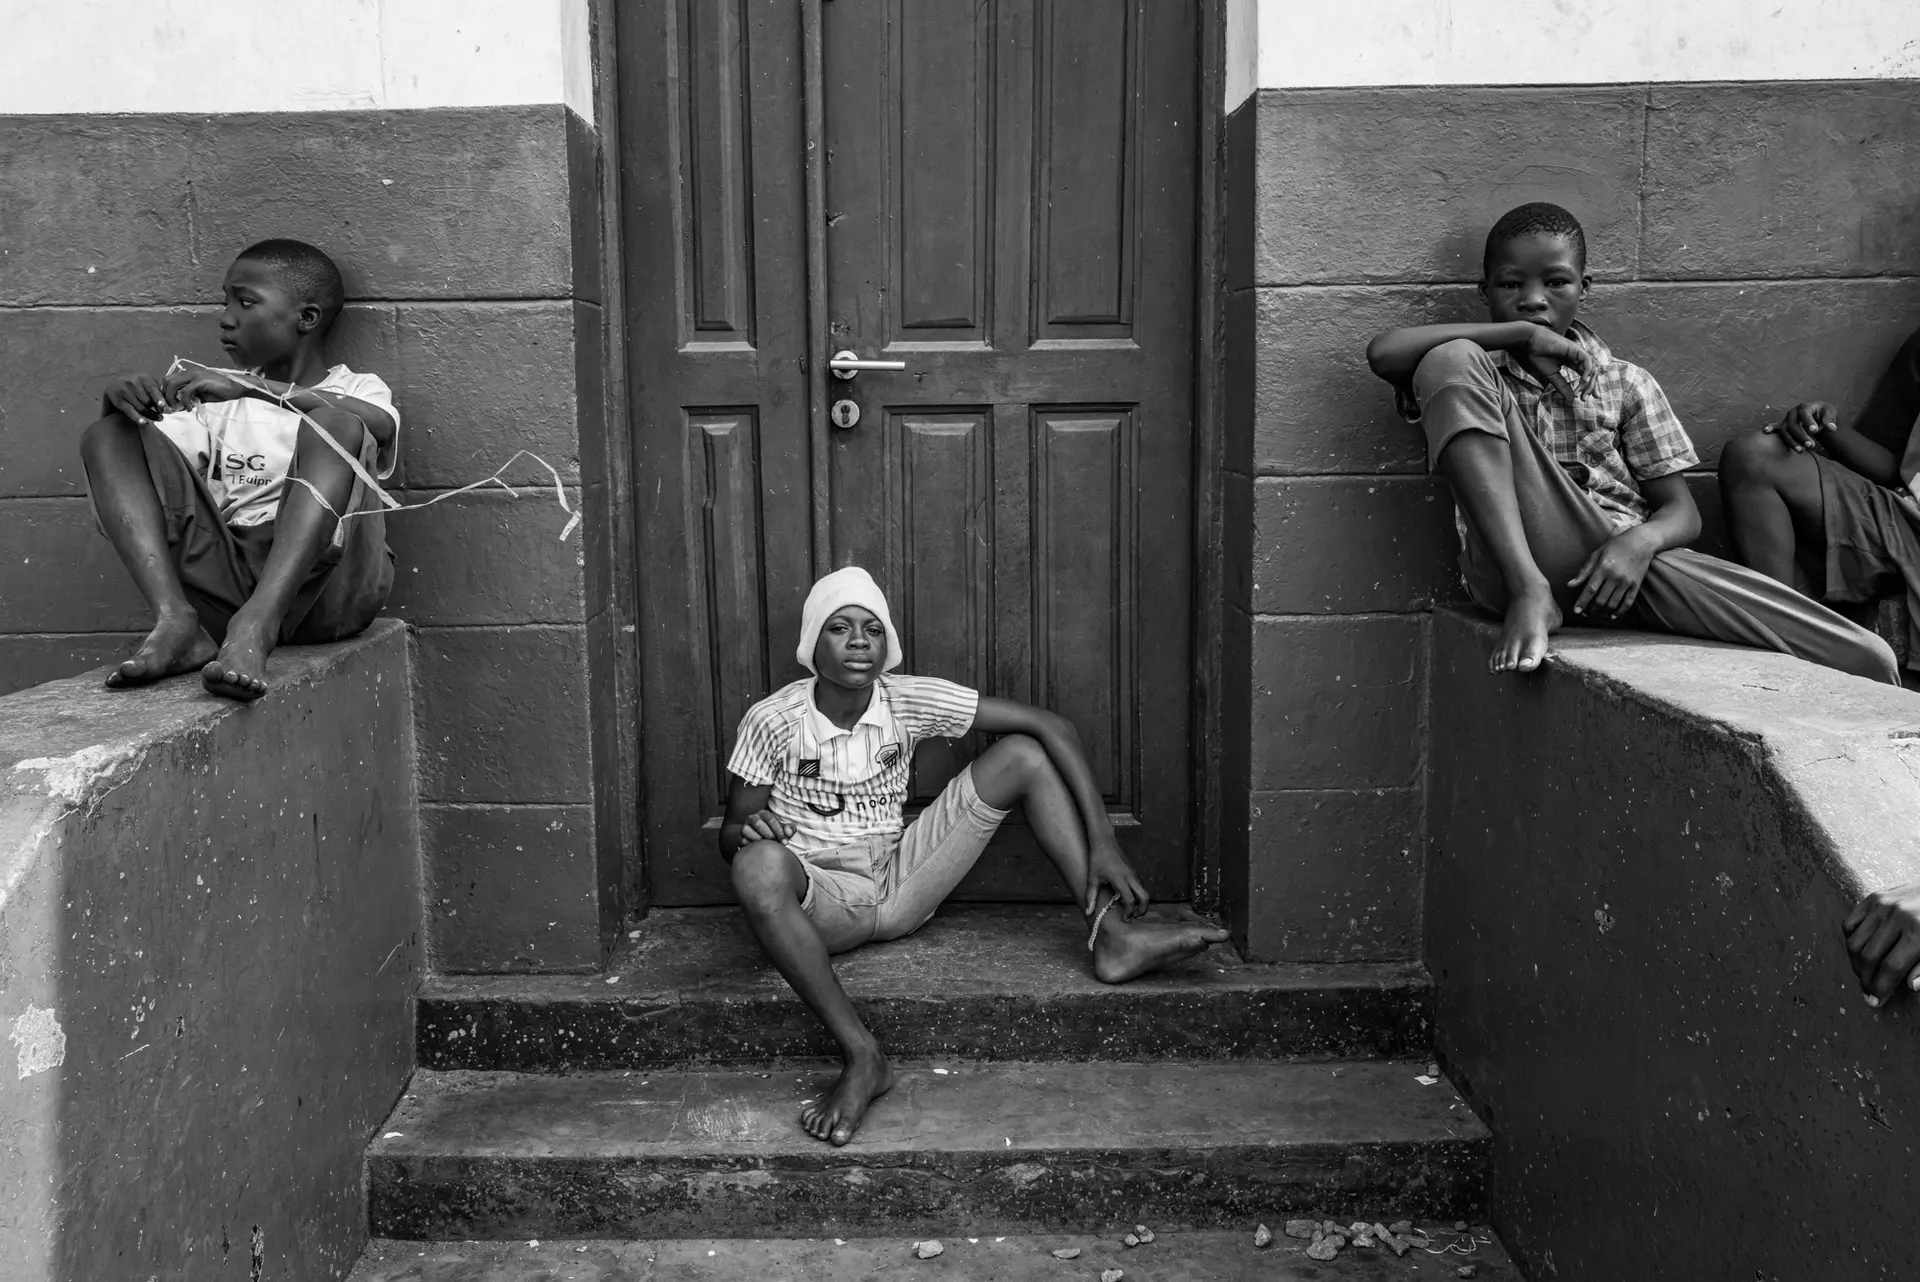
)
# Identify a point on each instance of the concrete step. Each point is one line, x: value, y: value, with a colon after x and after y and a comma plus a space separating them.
x: 1171, y: 1257
x: 979, y: 1148
x: 692, y: 988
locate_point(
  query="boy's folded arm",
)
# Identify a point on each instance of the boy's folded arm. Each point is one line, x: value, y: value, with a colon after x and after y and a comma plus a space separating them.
x: 744, y: 800
x: 1397, y: 353
x: 379, y: 423
x: 1061, y: 738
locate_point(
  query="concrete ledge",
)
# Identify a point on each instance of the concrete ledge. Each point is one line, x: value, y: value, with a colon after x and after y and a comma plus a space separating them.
x: 1638, y: 862
x: 209, y: 942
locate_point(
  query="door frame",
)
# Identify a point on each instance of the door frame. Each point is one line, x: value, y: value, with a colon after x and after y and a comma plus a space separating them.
x: 615, y: 722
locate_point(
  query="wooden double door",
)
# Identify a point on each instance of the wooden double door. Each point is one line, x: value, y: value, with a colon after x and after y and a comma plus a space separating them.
x: 1000, y: 196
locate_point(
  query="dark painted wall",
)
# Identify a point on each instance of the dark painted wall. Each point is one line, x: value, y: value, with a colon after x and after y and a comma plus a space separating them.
x: 1639, y: 863
x: 210, y: 936
x: 1752, y: 245
x: 470, y: 242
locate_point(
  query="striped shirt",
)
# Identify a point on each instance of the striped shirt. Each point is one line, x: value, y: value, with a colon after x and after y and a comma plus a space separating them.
x: 838, y: 787
x: 1622, y: 434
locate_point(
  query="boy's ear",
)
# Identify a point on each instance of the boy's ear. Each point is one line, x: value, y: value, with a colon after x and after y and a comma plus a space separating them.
x: 1586, y: 283
x: 308, y: 318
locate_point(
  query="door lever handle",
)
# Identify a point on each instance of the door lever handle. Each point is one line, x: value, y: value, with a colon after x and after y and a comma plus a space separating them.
x: 846, y: 364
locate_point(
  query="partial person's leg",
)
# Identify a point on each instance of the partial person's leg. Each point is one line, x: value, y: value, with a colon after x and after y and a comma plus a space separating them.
x: 1521, y: 510
x: 302, y: 530
x: 1771, y: 494
x: 128, y: 503
x: 1690, y: 594
x: 772, y: 884
x: 1017, y: 769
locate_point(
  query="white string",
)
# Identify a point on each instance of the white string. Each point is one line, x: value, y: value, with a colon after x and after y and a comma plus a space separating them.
x: 391, y: 504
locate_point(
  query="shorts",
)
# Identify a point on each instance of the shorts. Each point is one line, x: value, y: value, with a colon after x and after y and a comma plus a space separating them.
x: 1873, y: 544
x: 886, y: 887
x: 219, y: 564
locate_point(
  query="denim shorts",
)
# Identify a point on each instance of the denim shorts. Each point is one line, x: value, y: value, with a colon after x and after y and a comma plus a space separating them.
x: 886, y: 887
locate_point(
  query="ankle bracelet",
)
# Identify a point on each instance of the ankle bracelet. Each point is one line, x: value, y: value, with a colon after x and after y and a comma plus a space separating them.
x: 1097, y: 918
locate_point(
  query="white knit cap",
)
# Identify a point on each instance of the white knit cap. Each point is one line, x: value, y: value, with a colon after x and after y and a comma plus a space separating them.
x: 851, y: 586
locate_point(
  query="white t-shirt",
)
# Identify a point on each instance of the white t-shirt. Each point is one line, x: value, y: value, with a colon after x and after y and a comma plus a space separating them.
x: 242, y: 448
x: 837, y: 787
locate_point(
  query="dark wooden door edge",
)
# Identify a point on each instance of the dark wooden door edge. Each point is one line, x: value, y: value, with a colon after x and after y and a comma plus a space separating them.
x: 1209, y: 386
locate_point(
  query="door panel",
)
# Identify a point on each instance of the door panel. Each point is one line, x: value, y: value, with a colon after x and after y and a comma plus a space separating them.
x: 1008, y: 208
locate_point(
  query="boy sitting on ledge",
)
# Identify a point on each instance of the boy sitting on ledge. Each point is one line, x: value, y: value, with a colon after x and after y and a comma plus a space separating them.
x: 1834, y: 513
x: 224, y: 505
x: 1567, y: 471
x: 822, y: 862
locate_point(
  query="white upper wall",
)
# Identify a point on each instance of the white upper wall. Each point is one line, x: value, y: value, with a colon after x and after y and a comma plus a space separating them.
x: 285, y: 55
x: 1299, y: 44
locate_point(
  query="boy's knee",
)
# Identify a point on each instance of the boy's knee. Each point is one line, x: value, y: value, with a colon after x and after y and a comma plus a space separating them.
x: 1452, y: 360
x: 763, y: 874
x: 1024, y: 753
x: 105, y: 433
x: 1752, y: 455
x: 342, y: 426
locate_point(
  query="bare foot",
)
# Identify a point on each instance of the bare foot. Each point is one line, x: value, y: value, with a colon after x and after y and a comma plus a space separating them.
x: 237, y: 671
x: 177, y: 644
x: 836, y: 1116
x: 1128, y: 949
x: 1531, y: 618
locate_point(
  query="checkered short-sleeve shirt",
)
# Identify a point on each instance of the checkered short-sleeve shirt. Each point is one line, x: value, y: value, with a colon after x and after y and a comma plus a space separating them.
x: 837, y: 787
x: 1624, y: 433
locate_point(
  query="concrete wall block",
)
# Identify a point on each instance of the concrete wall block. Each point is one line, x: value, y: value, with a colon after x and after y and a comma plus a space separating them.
x: 1352, y: 545
x: 98, y: 210
x: 1619, y: 844
x: 453, y: 203
x: 217, y: 907
x: 1397, y: 185
x: 502, y: 714
x: 57, y: 362
x: 1734, y: 356
x: 1782, y: 179
x: 510, y: 888
x: 1317, y: 407
x: 485, y: 380
x: 1335, y: 876
x: 486, y: 558
x: 58, y: 573
x: 29, y: 660
x: 1337, y: 702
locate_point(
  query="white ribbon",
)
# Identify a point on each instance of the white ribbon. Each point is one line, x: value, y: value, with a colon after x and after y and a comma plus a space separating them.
x: 391, y: 504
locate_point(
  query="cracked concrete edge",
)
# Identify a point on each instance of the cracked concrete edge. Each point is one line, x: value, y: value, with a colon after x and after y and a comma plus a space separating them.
x: 65, y: 745
x: 1843, y: 751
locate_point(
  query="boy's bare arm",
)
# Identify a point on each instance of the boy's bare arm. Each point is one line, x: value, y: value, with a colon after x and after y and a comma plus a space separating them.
x: 1062, y: 742
x: 1815, y: 425
x: 748, y: 819
x: 1611, y: 577
x: 1396, y: 354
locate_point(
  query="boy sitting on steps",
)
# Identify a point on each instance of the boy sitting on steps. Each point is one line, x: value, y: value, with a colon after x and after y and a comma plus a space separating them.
x: 222, y: 503
x: 814, y: 826
x: 1570, y: 491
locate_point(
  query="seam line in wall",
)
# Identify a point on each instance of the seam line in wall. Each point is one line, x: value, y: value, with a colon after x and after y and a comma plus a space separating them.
x: 1600, y: 284
x: 210, y: 307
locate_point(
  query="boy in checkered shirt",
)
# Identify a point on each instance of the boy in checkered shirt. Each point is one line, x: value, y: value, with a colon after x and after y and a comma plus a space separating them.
x: 1567, y: 467
x: 823, y: 862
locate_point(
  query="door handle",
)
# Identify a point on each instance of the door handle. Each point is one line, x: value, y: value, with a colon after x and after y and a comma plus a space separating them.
x: 845, y: 364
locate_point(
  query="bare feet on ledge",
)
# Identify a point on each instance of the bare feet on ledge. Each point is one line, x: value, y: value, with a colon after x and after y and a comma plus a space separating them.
x: 177, y: 644
x: 1531, y: 618
x: 238, y: 671
x: 836, y: 1115
x: 1129, y: 949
